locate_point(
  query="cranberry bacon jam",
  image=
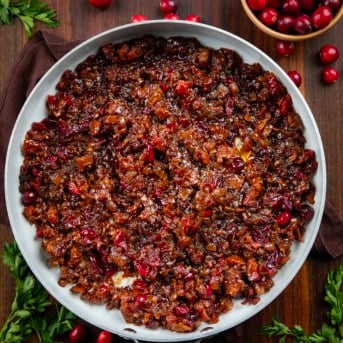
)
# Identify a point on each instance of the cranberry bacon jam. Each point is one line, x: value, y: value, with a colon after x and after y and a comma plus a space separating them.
x: 167, y: 180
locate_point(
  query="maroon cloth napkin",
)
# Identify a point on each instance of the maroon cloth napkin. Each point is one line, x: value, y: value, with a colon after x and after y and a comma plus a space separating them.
x: 38, y: 55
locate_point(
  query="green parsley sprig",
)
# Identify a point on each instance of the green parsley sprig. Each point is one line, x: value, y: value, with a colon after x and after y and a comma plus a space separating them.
x: 328, y: 333
x: 29, y: 308
x: 28, y: 11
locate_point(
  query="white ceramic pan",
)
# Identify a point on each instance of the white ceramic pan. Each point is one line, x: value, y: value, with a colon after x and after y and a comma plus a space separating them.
x: 34, y: 110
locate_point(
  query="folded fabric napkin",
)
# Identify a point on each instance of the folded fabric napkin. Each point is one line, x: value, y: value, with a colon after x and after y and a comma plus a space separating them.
x: 39, y: 54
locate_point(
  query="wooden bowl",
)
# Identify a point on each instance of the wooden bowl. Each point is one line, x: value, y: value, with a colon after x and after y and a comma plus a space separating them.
x: 288, y: 37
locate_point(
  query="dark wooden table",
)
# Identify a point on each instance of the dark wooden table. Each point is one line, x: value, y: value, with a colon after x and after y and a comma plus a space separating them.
x: 302, y: 301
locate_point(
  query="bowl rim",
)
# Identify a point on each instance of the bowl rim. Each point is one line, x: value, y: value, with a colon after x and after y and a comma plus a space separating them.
x: 284, y: 36
x: 147, y: 334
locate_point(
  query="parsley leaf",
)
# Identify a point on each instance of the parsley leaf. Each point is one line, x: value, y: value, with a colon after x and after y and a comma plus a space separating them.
x: 327, y: 333
x: 28, y: 11
x: 30, y: 304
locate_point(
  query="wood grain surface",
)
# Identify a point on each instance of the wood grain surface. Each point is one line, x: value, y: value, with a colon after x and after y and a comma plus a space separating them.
x: 302, y: 301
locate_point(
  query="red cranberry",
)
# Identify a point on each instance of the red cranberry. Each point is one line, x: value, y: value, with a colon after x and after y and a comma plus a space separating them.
x: 136, y: 18
x: 149, y: 154
x: 141, y: 267
x: 193, y: 17
x: 284, y: 105
x: 321, y: 17
x: 139, y: 301
x: 140, y: 285
x: 307, y: 5
x: 302, y: 24
x: 104, y: 337
x: 283, y: 218
x: 257, y: 5
x: 328, y: 53
x: 181, y: 310
x: 296, y: 77
x: 171, y: 16
x: 168, y: 6
x: 182, y: 87
x: 284, y: 48
x: 334, y: 4
x: 291, y: 7
x: 285, y: 24
x: 100, y: 3
x: 306, y: 212
x: 237, y: 165
x: 274, y: 3
x: 329, y: 75
x: 269, y: 16
x: 29, y: 197
x: 77, y: 334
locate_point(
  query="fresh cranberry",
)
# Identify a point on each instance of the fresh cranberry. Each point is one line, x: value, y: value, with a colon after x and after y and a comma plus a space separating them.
x: 237, y: 165
x: 171, y: 16
x: 194, y: 18
x: 77, y: 334
x: 307, y: 5
x: 284, y: 48
x: 285, y: 24
x: 329, y: 75
x: 307, y: 212
x: 168, y: 6
x: 283, y: 218
x: 334, y: 4
x: 302, y: 24
x: 104, y: 337
x: 100, y: 3
x: 269, y: 16
x: 257, y: 5
x: 328, y: 53
x: 321, y: 17
x: 291, y: 7
x: 29, y: 197
x: 274, y: 3
x: 296, y: 77
x: 136, y: 18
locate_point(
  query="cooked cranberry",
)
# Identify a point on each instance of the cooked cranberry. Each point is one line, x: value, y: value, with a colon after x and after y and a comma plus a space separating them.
x: 77, y: 334
x: 51, y: 100
x: 296, y: 77
x: 285, y: 24
x: 168, y: 6
x: 334, y: 4
x: 285, y: 105
x: 171, y: 16
x: 193, y: 17
x: 141, y: 267
x: 139, y: 301
x: 307, y: 5
x: 138, y: 17
x: 237, y: 165
x: 328, y: 53
x: 119, y: 239
x: 284, y: 48
x: 257, y: 5
x: 149, y: 154
x: 283, y: 218
x: 302, y: 24
x: 329, y: 75
x: 29, y: 197
x: 309, y: 154
x: 181, y: 310
x: 87, y: 236
x: 140, y: 285
x: 322, y: 16
x: 291, y: 7
x: 306, y: 211
x: 274, y: 3
x: 269, y: 16
x: 182, y: 87
x: 100, y: 3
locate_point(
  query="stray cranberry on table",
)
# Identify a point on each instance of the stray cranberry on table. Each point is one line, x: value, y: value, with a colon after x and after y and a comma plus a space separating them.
x: 193, y: 17
x: 100, y: 3
x: 284, y: 48
x: 104, y: 337
x: 171, y: 16
x: 136, y: 18
x: 168, y: 6
x: 295, y: 77
x: 328, y: 53
x: 329, y: 75
x: 77, y: 334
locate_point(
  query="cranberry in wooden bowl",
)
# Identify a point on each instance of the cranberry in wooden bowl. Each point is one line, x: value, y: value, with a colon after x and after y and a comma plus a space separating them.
x: 204, y: 168
x: 293, y: 20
